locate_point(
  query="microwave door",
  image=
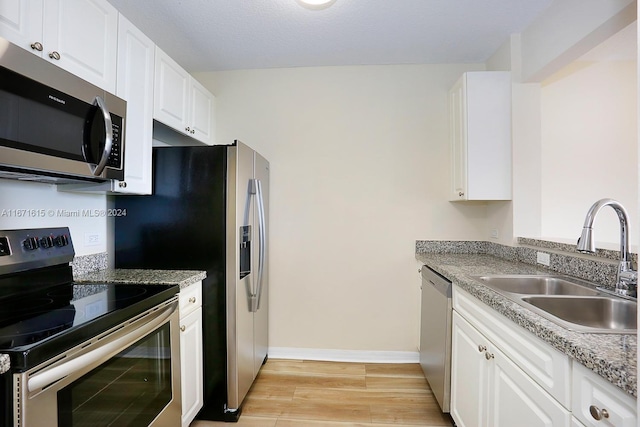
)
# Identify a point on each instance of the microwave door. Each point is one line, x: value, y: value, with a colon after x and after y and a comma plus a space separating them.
x: 98, y: 137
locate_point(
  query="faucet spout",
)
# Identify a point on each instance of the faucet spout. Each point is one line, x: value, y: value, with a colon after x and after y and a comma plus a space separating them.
x: 627, y: 277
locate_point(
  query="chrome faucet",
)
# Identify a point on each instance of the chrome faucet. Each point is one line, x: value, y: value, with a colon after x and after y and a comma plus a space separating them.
x: 627, y: 277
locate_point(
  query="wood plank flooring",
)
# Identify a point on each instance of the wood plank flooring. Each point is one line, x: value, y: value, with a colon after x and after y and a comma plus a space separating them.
x: 296, y: 393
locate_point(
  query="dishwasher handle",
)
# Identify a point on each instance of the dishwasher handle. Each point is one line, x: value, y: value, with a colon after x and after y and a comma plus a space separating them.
x: 436, y: 281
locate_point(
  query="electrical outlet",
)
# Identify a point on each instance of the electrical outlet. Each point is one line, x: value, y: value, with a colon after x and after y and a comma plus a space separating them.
x: 92, y: 239
x: 543, y: 258
x: 494, y: 233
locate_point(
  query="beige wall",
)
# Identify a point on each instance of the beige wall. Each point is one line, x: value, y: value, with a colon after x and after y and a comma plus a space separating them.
x: 359, y: 171
x: 546, y: 175
x: 589, y: 148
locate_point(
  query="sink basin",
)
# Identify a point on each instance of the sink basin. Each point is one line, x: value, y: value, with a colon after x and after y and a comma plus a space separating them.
x: 536, y: 284
x: 602, y: 313
x: 567, y: 302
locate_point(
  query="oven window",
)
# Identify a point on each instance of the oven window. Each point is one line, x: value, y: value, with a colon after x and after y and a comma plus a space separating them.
x: 130, y: 389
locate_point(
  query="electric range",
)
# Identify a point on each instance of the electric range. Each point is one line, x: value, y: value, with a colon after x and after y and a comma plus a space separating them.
x: 45, y: 316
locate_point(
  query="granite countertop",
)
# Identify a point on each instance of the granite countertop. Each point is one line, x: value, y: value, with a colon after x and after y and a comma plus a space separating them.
x: 612, y: 356
x: 5, y: 363
x: 182, y: 278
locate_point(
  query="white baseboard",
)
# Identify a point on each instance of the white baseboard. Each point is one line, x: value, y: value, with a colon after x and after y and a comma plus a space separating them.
x: 360, y: 356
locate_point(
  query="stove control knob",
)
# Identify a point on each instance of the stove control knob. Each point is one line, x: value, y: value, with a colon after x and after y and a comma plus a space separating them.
x: 31, y: 243
x: 46, y: 242
x: 61, y: 240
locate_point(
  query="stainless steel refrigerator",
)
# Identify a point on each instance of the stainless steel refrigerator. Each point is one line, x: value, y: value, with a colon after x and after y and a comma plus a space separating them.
x: 209, y: 211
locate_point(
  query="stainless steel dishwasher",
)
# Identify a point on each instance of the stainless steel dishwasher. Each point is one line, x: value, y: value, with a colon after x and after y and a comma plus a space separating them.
x: 435, y: 335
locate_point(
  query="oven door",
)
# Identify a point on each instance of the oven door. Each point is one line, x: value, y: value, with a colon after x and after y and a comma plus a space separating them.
x: 129, y: 376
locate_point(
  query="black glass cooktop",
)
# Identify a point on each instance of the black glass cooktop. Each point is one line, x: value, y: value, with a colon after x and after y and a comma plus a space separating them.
x: 42, y: 317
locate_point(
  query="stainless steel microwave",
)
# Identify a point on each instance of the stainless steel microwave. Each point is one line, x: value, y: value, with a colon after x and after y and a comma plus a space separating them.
x: 54, y: 126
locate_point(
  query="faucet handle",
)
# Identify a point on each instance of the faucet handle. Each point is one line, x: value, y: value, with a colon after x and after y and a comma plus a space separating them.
x: 630, y: 277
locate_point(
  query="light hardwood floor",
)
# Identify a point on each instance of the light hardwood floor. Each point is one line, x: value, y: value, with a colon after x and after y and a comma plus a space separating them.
x: 296, y: 393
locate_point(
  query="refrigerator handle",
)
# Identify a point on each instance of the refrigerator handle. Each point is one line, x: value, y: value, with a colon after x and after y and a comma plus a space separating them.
x: 255, y: 298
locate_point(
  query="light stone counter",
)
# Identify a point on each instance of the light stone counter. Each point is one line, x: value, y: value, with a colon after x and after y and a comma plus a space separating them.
x: 5, y: 363
x: 612, y: 356
x: 182, y: 278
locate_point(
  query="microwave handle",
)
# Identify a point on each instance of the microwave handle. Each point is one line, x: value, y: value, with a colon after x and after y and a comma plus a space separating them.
x: 108, y: 141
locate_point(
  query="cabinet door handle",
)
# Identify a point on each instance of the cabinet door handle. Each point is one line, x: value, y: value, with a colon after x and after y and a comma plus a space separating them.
x: 36, y: 46
x: 461, y: 194
x: 183, y: 328
x: 598, y: 413
x: 488, y: 355
x: 482, y: 348
x: 54, y: 55
x: 188, y: 129
x: 192, y: 300
x: 122, y: 184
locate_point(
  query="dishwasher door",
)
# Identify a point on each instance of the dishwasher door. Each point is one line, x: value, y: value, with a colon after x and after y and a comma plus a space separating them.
x: 435, y: 335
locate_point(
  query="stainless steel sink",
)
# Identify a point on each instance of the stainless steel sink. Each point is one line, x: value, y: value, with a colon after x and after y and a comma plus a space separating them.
x: 571, y: 303
x: 536, y: 285
x: 605, y: 313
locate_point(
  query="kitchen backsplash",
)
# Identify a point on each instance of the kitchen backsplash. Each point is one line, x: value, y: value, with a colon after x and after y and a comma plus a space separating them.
x: 83, y: 264
x: 600, y: 268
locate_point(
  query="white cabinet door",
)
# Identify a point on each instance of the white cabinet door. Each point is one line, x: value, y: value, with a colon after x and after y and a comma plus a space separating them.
x: 201, y: 113
x: 21, y: 23
x: 516, y: 400
x: 77, y: 35
x: 136, y: 53
x: 596, y: 402
x: 469, y: 375
x: 458, y: 136
x: 81, y: 37
x: 181, y: 103
x: 547, y: 366
x: 576, y: 423
x: 191, y: 367
x: 171, y: 93
x: 480, y: 136
x: 488, y: 389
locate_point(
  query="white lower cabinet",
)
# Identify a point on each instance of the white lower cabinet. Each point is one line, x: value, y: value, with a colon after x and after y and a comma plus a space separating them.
x: 502, y: 375
x: 191, y: 367
x: 488, y: 389
x: 470, y: 375
x: 576, y: 423
x: 597, y: 402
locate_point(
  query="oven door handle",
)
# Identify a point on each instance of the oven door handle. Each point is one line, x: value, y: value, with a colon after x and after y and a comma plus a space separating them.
x: 56, y: 373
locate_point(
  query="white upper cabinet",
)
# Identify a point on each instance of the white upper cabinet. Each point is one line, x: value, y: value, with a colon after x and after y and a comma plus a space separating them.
x: 171, y: 92
x: 136, y: 53
x: 77, y: 35
x: 21, y: 23
x: 480, y: 120
x: 180, y: 101
x: 201, y: 112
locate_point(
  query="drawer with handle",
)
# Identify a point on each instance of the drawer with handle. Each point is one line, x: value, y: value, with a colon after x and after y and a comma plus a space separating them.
x: 597, y: 402
x: 190, y: 298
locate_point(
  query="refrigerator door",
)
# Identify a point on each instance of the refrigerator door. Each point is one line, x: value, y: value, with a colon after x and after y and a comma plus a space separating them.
x: 241, y: 276
x: 261, y: 262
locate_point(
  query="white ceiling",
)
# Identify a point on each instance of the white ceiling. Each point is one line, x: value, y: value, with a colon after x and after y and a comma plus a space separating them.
x: 212, y: 35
